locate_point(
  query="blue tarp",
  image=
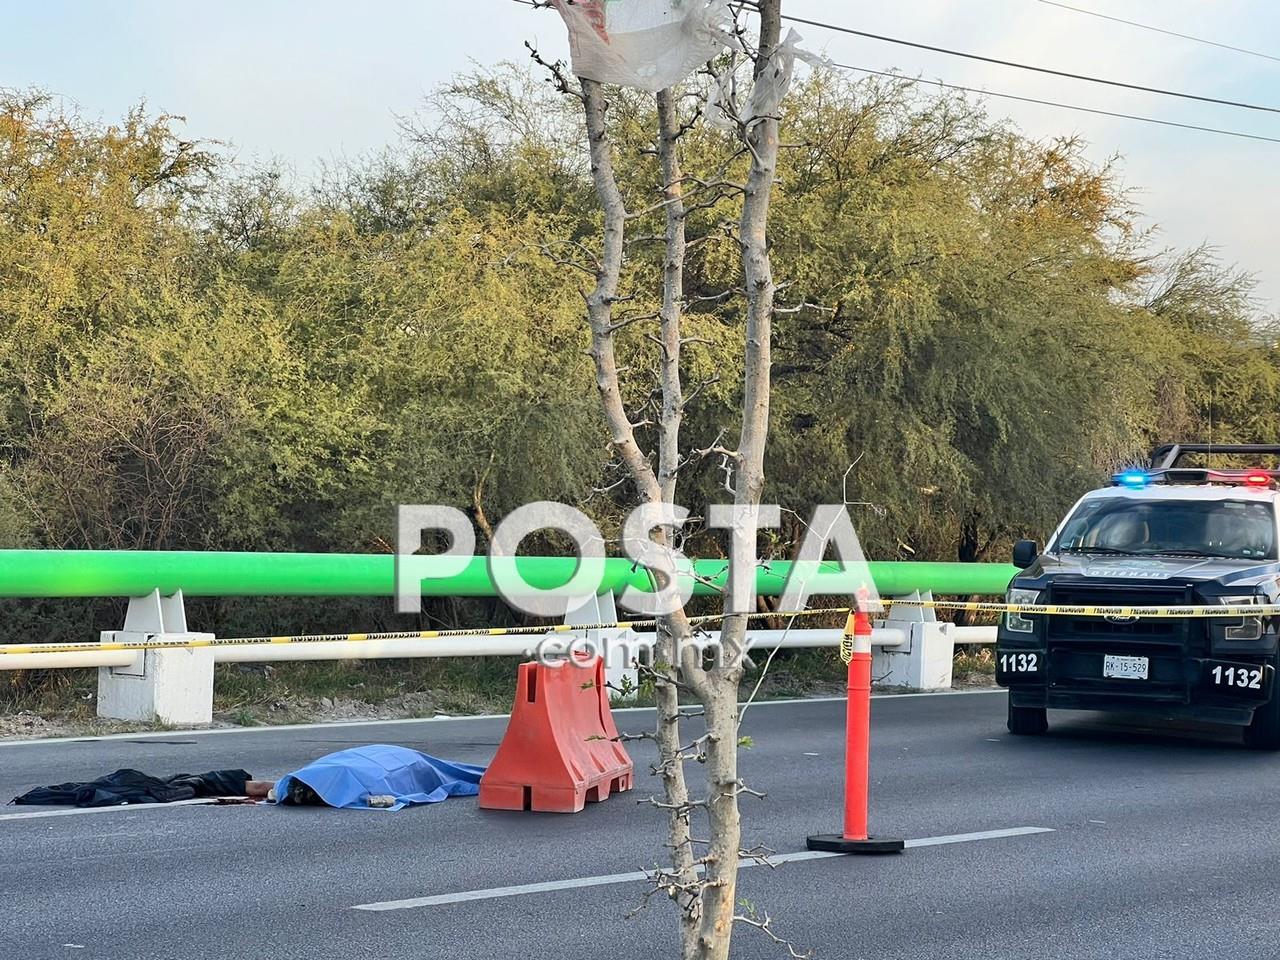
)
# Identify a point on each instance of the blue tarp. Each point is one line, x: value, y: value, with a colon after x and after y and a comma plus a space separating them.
x: 349, y: 778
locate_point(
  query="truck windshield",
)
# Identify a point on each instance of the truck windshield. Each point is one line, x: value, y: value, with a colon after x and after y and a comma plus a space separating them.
x: 1239, y: 529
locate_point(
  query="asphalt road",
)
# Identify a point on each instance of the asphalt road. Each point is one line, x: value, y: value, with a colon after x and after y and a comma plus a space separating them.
x: 1165, y: 843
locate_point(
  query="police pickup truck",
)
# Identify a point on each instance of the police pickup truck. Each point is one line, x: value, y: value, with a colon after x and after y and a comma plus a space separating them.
x: 1165, y: 536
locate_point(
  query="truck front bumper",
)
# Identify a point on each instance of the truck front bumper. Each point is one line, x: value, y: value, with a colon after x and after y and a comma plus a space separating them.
x: 1184, y: 687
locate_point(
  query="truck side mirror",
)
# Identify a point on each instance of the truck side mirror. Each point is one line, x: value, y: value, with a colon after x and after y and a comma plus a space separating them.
x: 1025, y: 553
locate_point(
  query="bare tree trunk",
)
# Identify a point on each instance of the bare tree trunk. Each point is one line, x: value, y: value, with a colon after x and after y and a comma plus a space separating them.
x: 601, y: 300
x: 672, y: 294
x: 682, y: 882
x: 477, y: 501
x: 673, y: 630
x: 721, y: 696
x: 707, y: 902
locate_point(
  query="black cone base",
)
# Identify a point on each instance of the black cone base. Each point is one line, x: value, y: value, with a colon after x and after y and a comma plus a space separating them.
x: 835, y: 843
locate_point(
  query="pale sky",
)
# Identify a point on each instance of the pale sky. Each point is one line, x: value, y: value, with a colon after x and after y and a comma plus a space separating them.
x: 304, y: 81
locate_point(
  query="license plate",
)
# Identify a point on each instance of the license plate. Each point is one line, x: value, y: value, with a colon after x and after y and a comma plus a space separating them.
x: 1125, y: 668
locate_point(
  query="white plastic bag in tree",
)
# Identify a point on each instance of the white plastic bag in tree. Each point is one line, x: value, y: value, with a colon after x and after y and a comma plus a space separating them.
x: 725, y: 111
x: 649, y: 44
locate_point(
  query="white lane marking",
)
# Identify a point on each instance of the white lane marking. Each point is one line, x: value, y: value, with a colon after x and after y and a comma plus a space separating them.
x: 494, y: 893
x: 348, y: 724
x: 980, y: 835
x: 122, y: 808
x: 804, y: 855
x: 552, y: 886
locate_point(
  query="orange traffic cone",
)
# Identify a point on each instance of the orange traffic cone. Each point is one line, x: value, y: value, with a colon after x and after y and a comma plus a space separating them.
x: 855, y: 649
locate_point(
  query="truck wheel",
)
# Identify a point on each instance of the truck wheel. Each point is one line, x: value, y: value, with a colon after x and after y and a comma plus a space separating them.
x: 1263, y: 731
x: 1027, y: 721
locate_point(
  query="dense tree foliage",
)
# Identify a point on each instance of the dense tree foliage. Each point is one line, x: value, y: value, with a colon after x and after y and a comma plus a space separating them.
x: 198, y: 355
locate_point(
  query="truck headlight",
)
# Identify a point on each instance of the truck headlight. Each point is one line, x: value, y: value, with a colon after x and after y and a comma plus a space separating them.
x: 1017, y: 622
x: 1249, y: 628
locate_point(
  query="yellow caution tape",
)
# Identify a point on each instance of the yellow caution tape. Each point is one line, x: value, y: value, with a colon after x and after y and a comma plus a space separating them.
x: 1135, y: 613
x: 847, y: 638
x: 153, y: 644
x: 846, y: 648
x: 1053, y: 609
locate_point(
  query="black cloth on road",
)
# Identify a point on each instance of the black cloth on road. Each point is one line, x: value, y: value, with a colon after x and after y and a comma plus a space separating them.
x: 133, y: 786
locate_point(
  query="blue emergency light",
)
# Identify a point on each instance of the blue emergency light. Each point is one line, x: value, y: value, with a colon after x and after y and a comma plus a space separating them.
x: 1133, y: 479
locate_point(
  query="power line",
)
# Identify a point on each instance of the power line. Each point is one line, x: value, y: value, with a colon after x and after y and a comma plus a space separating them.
x: 1169, y: 33
x: 1064, y: 106
x: 1019, y: 66
x: 1047, y: 103
x: 1029, y: 66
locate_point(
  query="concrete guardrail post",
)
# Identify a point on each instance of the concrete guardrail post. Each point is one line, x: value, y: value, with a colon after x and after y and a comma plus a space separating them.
x: 925, y: 661
x: 169, y: 686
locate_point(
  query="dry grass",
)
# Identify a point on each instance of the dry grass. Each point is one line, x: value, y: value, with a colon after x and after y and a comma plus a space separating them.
x: 975, y: 667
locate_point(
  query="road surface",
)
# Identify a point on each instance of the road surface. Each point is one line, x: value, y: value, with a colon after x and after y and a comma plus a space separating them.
x: 1164, y: 843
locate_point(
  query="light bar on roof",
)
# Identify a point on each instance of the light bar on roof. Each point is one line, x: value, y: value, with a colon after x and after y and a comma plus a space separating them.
x: 1136, y: 479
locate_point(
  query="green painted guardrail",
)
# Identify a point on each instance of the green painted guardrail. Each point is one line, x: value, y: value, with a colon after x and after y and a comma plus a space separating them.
x: 123, y: 573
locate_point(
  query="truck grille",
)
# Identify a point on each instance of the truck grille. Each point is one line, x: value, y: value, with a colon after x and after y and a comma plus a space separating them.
x: 1090, y: 627
x: 1077, y: 645
x: 1178, y: 632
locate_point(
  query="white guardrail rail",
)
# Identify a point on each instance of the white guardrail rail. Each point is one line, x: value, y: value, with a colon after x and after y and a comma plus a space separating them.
x: 175, y: 685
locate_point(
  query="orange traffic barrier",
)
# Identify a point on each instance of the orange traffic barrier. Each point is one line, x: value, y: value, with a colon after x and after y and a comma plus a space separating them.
x: 855, y: 649
x: 561, y: 749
